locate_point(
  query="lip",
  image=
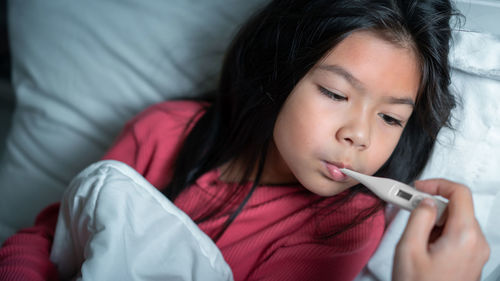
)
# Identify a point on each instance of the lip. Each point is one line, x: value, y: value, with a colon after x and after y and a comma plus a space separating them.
x: 334, y: 172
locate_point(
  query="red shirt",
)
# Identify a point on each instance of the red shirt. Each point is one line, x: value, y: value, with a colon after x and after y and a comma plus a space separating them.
x: 273, y: 238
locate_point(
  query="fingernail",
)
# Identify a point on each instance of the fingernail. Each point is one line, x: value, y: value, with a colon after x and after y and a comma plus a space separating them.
x: 428, y: 202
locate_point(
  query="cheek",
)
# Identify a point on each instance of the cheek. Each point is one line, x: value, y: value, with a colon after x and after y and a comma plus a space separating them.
x: 301, y: 123
x: 382, y: 150
x: 292, y: 132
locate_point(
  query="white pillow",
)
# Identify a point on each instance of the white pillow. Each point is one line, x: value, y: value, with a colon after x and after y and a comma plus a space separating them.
x: 470, y: 154
x: 114, y: 225
x: 83, y: 68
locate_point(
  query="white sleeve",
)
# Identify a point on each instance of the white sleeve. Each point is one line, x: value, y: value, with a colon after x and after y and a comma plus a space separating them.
x: 114, y: 225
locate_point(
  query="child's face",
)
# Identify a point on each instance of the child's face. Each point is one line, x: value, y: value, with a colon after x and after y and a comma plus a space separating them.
x: 348, y: 111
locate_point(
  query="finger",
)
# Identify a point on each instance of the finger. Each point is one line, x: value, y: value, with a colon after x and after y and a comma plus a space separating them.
x: 460, y: 210
x: 459, y: 196
x: 420, y: 224
x: 440, y: 187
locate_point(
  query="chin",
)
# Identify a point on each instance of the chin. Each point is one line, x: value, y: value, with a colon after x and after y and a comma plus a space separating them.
x: 328, y: 190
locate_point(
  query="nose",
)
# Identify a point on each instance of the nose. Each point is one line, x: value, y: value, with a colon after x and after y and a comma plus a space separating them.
x: 355, y: 133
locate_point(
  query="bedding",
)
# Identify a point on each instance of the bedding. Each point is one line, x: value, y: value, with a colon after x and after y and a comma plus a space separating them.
x: 114, y: 225
x: 82, y: 68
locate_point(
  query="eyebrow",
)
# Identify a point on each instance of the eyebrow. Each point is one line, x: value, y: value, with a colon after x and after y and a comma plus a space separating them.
x: 345, y: 74
x: 393, y: 100
x: 356, y: 83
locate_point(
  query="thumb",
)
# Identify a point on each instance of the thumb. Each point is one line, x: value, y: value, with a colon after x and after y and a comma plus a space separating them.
x: 421, y: 223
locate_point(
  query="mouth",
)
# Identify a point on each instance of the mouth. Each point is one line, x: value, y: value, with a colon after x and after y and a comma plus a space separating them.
x: 334, y: 171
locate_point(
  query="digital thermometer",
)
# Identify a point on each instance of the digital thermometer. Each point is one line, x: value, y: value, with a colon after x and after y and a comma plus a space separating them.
x: 398, y: 193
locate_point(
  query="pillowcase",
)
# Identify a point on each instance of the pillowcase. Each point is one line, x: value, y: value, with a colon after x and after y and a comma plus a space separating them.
x: 469, y: 154
x: 81, y: 69
x: 114, y: 225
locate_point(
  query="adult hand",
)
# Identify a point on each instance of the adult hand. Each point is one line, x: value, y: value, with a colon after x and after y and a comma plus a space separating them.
x: 456, y: 251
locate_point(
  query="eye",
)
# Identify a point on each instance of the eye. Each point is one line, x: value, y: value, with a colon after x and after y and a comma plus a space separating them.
x: 332, y: 95
x: 391, y: 120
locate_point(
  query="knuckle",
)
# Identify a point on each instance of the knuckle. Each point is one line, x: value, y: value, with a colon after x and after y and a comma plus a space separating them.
x: 469, y: 237
x: 457, y: 185
x: 466, y: 190
x: 461, y: 188
x: 486, y: 251
x: 473, y: 239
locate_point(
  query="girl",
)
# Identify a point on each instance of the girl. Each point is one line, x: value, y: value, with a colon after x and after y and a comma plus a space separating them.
x: 307, y: 87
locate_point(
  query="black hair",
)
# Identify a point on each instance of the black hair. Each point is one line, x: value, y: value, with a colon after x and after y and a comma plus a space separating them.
x: 276, y: 48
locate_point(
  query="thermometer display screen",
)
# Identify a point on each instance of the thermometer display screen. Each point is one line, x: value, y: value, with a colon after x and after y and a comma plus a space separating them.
x: 403, y: 194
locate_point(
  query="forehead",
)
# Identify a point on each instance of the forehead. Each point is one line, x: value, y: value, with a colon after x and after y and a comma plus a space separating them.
x: 375, y: 64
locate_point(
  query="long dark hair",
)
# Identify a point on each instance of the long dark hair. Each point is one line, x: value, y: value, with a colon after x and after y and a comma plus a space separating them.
x: 276, y: 48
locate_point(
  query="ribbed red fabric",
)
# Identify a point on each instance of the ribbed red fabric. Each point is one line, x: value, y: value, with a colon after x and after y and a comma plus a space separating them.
x: 25, y: 256
x: 273, y: 238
